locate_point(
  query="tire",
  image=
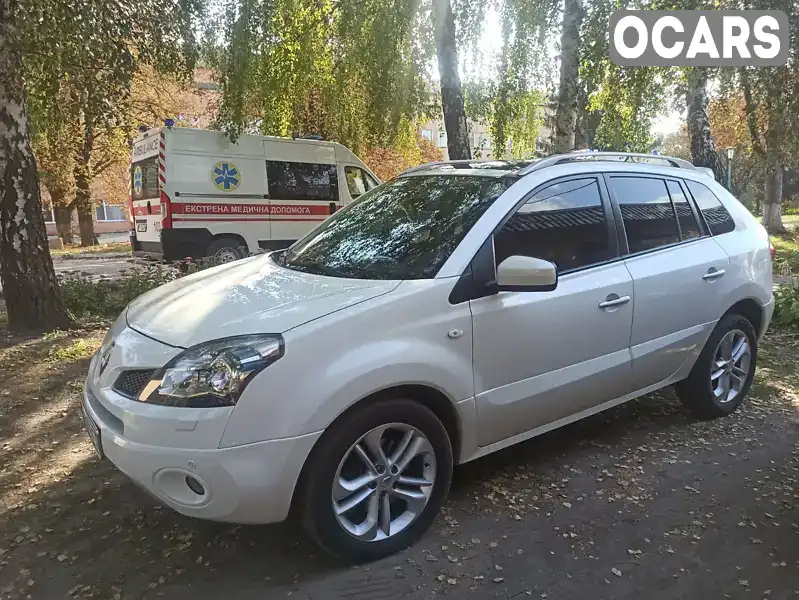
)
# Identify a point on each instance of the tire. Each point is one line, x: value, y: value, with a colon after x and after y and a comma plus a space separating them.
x: 336, y: 448
x: 697, y: 391
x: 224, y: 250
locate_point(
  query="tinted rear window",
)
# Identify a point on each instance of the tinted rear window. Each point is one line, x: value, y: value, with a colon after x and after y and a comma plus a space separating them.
x: 718, y: 220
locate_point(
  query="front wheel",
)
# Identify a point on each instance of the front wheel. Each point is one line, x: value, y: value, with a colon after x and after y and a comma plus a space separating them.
x: 377, y: 479
x: 723, y: 373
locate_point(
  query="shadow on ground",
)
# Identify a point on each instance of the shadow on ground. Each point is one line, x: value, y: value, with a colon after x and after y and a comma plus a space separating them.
x: 72, y: 526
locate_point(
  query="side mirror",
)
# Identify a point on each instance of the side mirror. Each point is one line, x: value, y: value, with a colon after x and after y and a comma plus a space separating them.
x: 526, y: 274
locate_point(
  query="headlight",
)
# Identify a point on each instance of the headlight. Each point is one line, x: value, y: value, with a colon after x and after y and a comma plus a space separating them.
x: 214, y: 373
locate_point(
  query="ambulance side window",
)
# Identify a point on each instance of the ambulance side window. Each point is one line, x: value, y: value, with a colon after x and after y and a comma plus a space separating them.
x: 356, y: 183
x: 302, y: 181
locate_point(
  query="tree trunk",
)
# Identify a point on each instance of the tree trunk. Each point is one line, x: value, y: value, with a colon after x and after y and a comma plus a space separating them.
x: 566, y: 112
x: 62, y: 211
x: 772, y: 197
x: 83, y: 179
x: 29, y: 283
x: 703, y: 149
x: 451, y: 93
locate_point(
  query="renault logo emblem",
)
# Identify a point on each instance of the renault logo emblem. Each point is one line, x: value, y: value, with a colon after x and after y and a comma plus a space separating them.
x: 105, y: 356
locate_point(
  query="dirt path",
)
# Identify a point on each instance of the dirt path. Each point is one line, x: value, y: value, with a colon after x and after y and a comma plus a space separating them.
x: 640, y: 503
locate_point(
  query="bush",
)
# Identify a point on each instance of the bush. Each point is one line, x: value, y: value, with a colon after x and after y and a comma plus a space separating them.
x: 107, y: 298
x: 786, y: 304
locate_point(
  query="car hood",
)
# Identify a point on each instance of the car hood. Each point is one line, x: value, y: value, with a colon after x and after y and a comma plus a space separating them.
x: 253, y: 295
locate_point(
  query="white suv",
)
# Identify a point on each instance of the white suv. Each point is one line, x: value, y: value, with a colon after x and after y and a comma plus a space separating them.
x: 451, y: 312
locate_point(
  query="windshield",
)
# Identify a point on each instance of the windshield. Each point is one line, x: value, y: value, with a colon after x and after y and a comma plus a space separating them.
x: 404, y: 229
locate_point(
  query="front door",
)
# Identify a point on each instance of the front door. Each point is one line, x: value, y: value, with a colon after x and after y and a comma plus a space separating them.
x: 678, y: 271
x: 540, y: 357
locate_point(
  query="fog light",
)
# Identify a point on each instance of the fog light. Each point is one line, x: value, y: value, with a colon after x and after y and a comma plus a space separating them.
x: 195, y: 486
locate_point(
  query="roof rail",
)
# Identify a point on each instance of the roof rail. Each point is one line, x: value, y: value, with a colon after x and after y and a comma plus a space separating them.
x: 557, y: 159
x: 437, y: 163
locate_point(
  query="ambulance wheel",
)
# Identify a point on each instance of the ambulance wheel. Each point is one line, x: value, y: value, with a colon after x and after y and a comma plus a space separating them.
x: 224, y: 250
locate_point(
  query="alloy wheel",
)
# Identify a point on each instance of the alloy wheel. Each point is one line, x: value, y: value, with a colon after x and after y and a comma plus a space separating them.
x: 731, y: 365
x: 384, y: 482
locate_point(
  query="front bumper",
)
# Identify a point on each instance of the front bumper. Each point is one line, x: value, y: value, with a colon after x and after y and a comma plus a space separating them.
x: 251, y: 483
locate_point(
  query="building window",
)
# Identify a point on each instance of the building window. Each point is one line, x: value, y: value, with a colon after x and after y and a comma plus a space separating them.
x: 109, y: 212
x: 49, y: 213
x: 442, y: 139
x: 427, y: 134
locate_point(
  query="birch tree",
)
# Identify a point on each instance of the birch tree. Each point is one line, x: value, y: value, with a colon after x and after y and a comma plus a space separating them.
x: 26, y: 269
x: 566, y: 112
x: 451, y: 92
x: 95, y: 48
x: 703, y: 147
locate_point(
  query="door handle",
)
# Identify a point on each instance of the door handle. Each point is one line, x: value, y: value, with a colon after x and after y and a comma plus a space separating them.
x: 614, y: 300
x: 713, y: 274
x: 332, y: 207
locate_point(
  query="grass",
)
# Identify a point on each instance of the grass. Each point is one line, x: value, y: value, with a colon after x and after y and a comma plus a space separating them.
x: 787, y: 246
x: 790, y: 220
x: 99, y: 249
x: 73, y: 351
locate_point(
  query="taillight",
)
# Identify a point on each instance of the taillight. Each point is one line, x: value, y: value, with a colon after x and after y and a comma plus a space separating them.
x: 166, y: 216
x: 772, y: 250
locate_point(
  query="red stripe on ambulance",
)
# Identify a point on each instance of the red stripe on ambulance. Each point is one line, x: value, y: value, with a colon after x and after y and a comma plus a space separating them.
x: 293, y: 210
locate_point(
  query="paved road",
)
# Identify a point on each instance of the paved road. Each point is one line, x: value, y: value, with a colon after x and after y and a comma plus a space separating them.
x: 91, y: 267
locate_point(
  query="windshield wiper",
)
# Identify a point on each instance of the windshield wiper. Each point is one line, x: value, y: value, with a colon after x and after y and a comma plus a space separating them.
x: 315, y: 267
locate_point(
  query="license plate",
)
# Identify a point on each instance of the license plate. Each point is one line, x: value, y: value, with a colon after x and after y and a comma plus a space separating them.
x: 93, y: 431
x: 141, y: 226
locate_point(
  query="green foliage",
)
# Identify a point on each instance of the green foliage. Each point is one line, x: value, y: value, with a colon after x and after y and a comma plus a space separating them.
x: 626, y: 99
x: 349, y: 70
x: 787, y: 261
x: 106, y: 298
x: 786, y: 304
x: 75, y: 351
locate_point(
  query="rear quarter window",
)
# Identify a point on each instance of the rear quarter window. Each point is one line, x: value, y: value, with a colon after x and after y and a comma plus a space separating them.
x: 718, y: 219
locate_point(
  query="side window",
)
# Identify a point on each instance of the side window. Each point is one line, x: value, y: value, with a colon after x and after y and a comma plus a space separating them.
x: 689, y: 227
x: 371, y: 183
x: 646, y: 210
x: 355, y: 181
x: 716, y: 216
x: 302, y: 181
x: 564, y: 223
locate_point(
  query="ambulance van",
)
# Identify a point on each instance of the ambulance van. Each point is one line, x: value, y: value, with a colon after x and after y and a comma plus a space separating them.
x: 196, y: 194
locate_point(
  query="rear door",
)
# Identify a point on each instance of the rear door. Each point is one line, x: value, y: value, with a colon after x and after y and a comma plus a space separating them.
x: 677, y: 269
x: 145, y: 191
x: 303, y: 187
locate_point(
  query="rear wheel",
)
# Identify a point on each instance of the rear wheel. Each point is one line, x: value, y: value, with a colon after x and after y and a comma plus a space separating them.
x: 723, y: 373
x: 377, y: 479
x: 224, y: 250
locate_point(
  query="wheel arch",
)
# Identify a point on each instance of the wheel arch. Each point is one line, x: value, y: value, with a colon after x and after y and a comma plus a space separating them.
x: 432, y: 398
x: 752, y: 310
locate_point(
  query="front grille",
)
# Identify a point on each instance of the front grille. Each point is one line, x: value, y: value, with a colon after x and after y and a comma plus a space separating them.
x: 130, y: 383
